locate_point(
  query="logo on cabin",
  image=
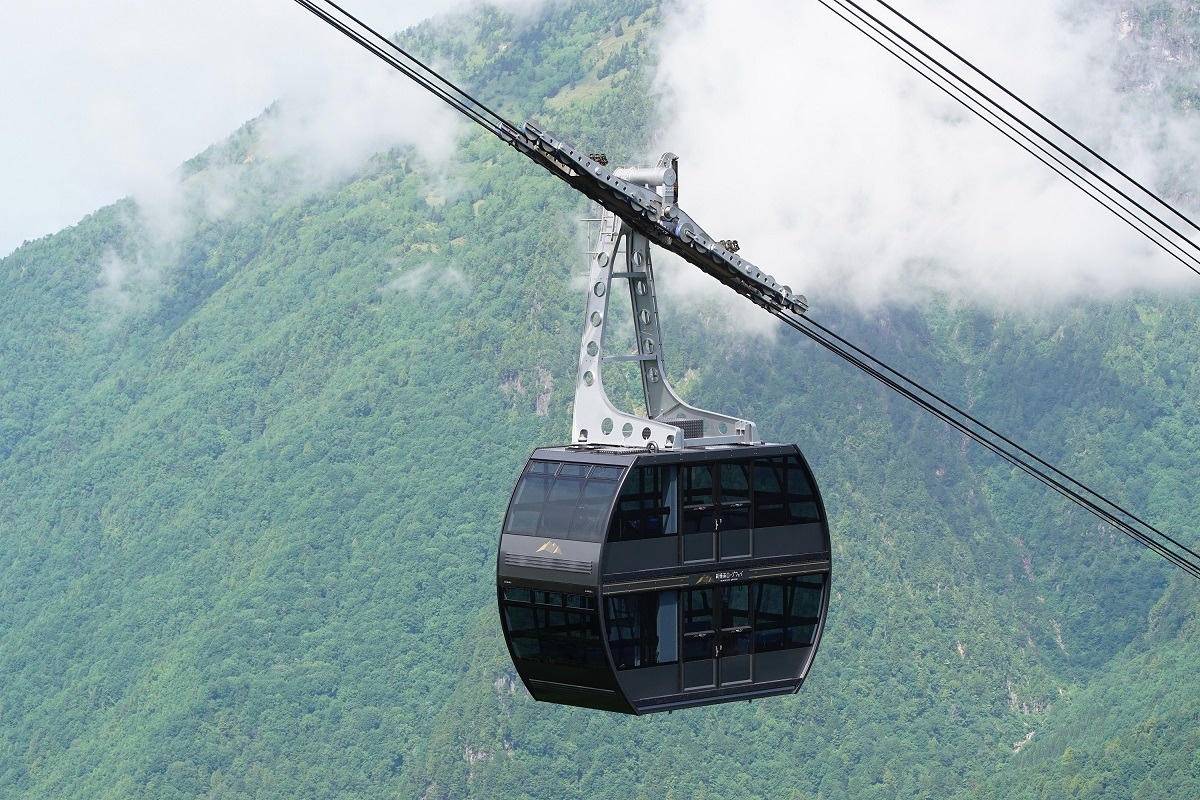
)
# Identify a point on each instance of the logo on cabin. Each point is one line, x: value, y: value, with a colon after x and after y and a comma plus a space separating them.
x: 550, y: 547
x: 720, y: 577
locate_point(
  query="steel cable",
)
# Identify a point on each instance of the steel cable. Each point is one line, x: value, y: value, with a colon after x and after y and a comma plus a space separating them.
x: 1074, y: 490
x: 1118, y: 201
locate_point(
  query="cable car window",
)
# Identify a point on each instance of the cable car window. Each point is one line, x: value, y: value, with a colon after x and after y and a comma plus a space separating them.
x: 769, y: 630
x: 736, y: 602
x: 698, y: 515
x: 804, y: 610
x: 697, y: 611
x: 555, y: 628
x: 787, y: 612
x: 735, y: 500
x: 802, y: 501
x: 643, y: 629
x: 769, y: 493
x: 592, y: 512
x: 735, y: 605
x: 735, y: 484
x: 560, y: 506
x: 607, y: 473
x: 644, y: 506
x: 668, y: 627
x: 698, y: 485
x: 578, y: 601
x: 560, y: 501
x: 624, y: 622
x: 528, y: 501
x: 520, y: 595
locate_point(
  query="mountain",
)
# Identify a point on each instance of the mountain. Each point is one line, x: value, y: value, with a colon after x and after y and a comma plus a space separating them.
x: 252, y: 479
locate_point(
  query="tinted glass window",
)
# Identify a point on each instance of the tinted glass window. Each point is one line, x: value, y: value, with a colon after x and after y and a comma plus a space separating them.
x: 553, y: 627
x: 770, y: 508
x: 698, y: 485
x: 520, y: 595
x: 698, y: 611
x: 643, y: 629
x: 770, y: 619
x: 783, y: 494
x: 735, y: 605
x: 644, y: 506
x: 592, y: 512
x: 607, y: 473
x: 736, y: 518
x: 560, y: 507
x: 802, y: 501
x: 735, y: 483
x: 528, y: 500
x: 787, y: 612
x: 562, y: 500
x: 804, y: 610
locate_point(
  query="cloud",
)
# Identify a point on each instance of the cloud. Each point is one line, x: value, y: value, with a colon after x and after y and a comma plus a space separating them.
x: 108, y: 102
x: 329, y: 131
x: 105, y: 100
x: 850, y: 178
x: 426, y: 277
x: 123, y: 285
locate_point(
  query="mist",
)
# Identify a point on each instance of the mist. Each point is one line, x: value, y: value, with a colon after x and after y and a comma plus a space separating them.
x: 850, y: 178
x: 106, y: 101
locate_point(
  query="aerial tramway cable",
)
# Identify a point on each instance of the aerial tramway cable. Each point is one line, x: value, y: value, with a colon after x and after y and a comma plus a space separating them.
x: 1121, y: 194
x: 1077, y: 492
x: 403, y: 61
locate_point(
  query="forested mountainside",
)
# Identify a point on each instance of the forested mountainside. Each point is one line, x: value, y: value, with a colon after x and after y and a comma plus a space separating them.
x: 251, y: 482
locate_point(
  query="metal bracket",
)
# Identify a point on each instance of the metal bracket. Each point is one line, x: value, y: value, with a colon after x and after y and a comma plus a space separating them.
x: 623, y: 254
x: 655, y: 214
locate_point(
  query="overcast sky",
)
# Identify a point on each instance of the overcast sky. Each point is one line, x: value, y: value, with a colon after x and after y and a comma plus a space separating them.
x: 102, y: 98
x: 837, y: 169
x: 851, y: 177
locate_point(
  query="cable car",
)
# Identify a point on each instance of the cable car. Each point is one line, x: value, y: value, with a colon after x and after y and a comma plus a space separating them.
x: 660, y: 561
x: 649, y: 581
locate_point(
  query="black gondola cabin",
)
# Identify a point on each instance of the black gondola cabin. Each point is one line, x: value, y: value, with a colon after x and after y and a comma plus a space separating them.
x: 642, y: 581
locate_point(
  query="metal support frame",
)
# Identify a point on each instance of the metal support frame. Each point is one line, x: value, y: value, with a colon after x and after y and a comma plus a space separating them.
x: 623, y: 254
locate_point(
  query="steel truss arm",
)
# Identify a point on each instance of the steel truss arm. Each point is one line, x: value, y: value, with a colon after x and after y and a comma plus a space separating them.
x: 622, y: 255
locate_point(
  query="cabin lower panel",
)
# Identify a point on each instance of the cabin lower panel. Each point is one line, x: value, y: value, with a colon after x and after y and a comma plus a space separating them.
x: 747, y: 692
x: 715, y: 680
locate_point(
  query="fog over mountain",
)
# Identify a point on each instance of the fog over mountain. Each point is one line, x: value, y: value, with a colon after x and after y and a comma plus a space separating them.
x: 847, y: 175
x: 105, y: 101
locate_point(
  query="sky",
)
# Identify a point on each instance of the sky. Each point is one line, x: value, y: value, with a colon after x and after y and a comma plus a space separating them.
x: 105, y: 100
x: 837, y: 169
x: 856, y: 179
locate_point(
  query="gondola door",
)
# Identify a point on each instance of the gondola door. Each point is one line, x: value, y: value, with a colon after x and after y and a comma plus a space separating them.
x: 716, y: 636
x: 716, y: 512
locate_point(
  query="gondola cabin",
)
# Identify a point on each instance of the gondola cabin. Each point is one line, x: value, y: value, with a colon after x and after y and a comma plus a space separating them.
x: 663, y: 560
x: 642, y: 581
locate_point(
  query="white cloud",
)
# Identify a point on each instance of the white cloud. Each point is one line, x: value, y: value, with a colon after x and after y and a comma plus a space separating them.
x: 124, y: 284
x: 847, y: 176
x: 426, y: 277
x: 104, y: 100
